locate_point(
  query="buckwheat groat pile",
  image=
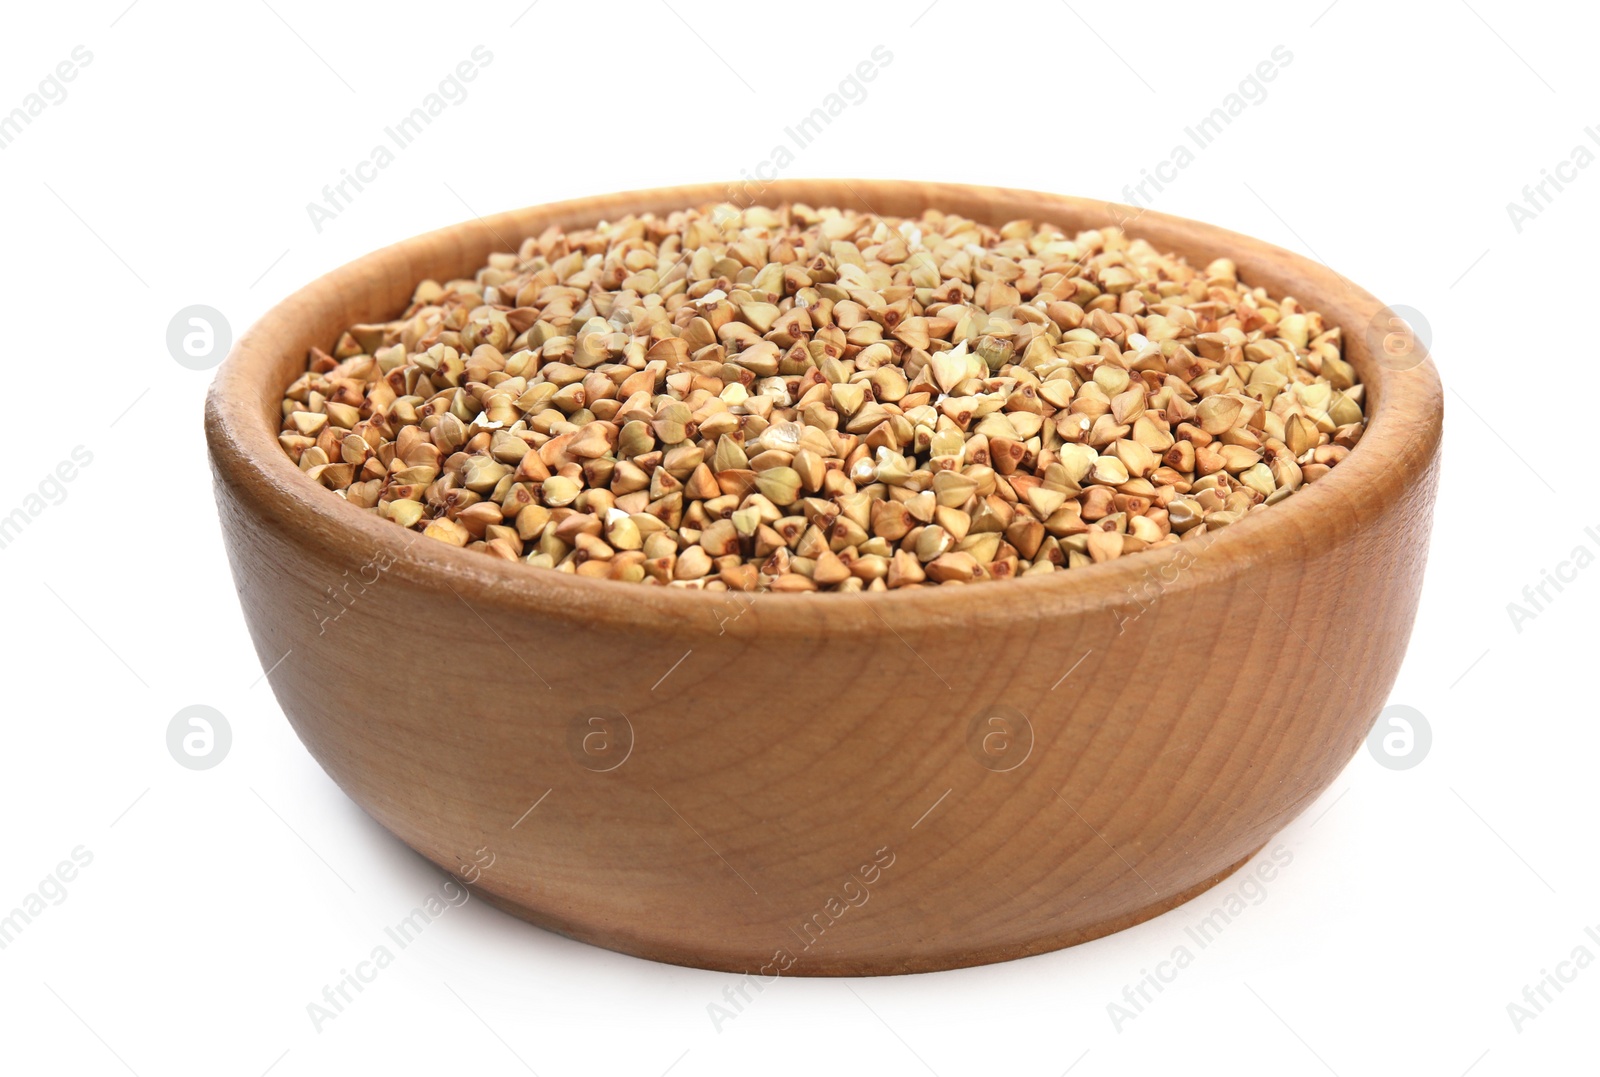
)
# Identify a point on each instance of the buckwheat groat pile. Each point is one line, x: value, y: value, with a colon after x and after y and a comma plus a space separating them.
x: 803, y: 399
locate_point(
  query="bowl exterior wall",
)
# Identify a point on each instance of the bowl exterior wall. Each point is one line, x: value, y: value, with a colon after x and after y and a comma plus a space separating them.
x: 932, y: 798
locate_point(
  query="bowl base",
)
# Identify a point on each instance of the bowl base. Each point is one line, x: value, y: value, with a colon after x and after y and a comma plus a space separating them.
x: 871, y: 965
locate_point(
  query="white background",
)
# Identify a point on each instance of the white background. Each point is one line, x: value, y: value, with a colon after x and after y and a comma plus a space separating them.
x: 1418, y: 904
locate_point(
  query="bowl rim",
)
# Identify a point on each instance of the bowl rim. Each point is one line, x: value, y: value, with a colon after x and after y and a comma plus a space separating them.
x: 1404, y: 422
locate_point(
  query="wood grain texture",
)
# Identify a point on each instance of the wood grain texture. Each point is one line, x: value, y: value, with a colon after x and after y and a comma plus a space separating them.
x: 782, y: 745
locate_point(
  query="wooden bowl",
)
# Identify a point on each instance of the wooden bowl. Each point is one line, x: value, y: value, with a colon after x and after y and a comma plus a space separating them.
x: 830, y: 784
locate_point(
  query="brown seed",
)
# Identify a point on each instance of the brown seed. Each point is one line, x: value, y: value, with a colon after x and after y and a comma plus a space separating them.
x: 1286, y: 474
x: 1260, y: 479
x: 829, y: 570
x: 1104, y: 545
x: 447, y: 530
x: 623, y: 534
x: 891, y: 520
x: 780, y: 485
x: 729, y: 455
x: 692, y: 564
x: 904, y: 571
x: 1218, y: 413
x: 1237, y: 457
x: 1109, y: 471
x: 483, y: 473
x: 1208, y: 462
x: 847, y: 397
x: 953, y: 489
x: 591, y: 442
x: 809, y: 467
x: 1005, y: 454
x: 558, y: 490
x: 913, y: 332
x: 1045, y: 502
x: 954, y: 566
x: 950, y: 368
x: 932, y: 543
x: 720, y: 538
x: 702, y: 485
x: 671, y: 423
x: 402, y: 511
